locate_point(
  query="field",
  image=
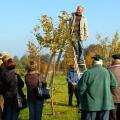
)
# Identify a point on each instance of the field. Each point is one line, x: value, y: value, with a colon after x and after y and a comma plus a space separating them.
x: 61, y: 109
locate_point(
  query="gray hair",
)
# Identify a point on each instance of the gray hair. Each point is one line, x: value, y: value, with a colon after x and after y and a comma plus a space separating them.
x: 80, y: 7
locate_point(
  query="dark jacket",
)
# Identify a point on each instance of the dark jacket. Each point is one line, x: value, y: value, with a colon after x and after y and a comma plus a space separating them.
x: 12, y: 82
x: 2, y: 74
x: 31, y: 80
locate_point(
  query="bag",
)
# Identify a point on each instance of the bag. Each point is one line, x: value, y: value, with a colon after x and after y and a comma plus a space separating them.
x: 43, y: 92
x: 22, y: 101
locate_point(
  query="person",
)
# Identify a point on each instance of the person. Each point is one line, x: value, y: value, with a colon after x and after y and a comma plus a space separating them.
x: 32, y: 79
x: 11, y: 84
x: 95, y: 88
x: 78, y: 28
x: 1, y: 94
x: 115, y: 69
x: 72, y: 79
x: 4, y: 56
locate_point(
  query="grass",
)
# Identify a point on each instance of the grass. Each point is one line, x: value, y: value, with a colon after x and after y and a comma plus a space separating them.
x: 61, y: 109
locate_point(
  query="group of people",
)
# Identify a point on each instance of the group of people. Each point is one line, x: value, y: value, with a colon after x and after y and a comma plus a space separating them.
x: 11, y: 84
x: 98, y: 90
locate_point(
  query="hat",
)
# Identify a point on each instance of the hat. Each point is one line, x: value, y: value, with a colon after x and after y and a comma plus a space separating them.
x: 97, y: 57
x: 116, y: 56
x: 5, y: 55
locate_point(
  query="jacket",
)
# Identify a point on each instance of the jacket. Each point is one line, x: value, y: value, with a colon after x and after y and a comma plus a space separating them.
x: 12, y: 82
x: 95, y: 88
x: 83, y: 26
x: 32, y: 80
x: 115, y: 69
x: 72, y: 76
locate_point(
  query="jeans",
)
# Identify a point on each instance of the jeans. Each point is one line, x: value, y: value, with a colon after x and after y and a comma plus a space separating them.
x: 11, y: 112
x: 35, y: 110
x: 95, y: 115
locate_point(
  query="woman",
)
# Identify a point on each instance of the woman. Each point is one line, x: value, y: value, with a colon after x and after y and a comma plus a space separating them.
x: 12, y: 83
x: 32, y: 79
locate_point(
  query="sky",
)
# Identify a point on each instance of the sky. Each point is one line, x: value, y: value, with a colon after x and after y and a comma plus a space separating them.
x: 19, y: 17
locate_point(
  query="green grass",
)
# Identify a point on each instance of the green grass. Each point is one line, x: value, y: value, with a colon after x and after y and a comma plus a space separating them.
x: 61, y: 109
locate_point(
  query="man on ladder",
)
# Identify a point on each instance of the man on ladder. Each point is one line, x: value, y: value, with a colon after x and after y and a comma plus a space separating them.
x: 79, y: 29
x: 79, y: 33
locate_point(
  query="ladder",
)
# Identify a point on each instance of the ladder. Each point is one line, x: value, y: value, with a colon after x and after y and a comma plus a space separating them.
x: 80, y: 65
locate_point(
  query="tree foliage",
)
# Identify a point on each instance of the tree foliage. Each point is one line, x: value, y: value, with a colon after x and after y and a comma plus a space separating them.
x: 105, y: 48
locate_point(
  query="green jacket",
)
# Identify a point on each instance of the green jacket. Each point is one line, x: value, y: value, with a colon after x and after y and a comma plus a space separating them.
x: 95, y: 89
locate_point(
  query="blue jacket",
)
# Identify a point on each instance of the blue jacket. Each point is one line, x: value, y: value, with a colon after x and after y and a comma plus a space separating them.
x: 72, y: 76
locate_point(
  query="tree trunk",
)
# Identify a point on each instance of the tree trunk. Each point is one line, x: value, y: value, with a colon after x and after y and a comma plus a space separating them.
x: 46, y: 74
x: 58, y: 60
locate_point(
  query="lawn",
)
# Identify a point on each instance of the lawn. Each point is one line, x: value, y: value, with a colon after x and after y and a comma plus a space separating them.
x: 61, y: 109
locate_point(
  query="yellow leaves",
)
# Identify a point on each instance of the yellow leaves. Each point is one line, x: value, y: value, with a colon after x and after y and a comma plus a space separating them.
x: 47, y: 23
x: 88, y: 59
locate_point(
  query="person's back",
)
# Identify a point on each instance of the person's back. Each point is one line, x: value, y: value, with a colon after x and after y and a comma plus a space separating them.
x: 115, y: 69
x: 98, y: 81
x: 95, y: 88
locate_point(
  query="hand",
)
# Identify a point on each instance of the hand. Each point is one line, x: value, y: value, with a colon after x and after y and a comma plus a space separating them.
x: 1, y: 102
x: 74, y: 83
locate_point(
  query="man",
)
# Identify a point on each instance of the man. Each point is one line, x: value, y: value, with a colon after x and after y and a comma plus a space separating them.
x: 72, y: 79
x: 115, y: 69
x: 95, y: 88
x: 78, y: 29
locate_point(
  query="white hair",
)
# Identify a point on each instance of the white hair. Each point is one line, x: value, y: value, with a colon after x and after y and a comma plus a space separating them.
x: 100, y: 62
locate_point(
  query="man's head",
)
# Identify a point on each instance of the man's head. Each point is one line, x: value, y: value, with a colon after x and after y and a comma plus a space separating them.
x: 97, y: 59
x: 116, y: 58
x: 79, y: 10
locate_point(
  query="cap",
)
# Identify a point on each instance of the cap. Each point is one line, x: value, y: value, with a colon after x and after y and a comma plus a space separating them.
x: 97, y: 57
x: 5, y: 55
x: 116, y: 56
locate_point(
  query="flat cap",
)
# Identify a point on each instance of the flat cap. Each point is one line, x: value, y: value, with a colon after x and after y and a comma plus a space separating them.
x: 116, y: 56
x: 97, y: 57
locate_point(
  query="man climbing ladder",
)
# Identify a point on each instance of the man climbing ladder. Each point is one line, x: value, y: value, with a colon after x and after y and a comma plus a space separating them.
x: 79, y: 29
